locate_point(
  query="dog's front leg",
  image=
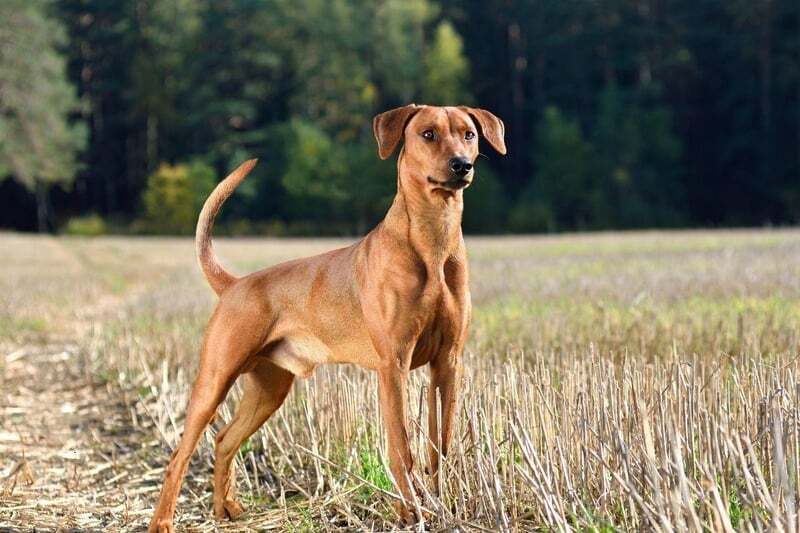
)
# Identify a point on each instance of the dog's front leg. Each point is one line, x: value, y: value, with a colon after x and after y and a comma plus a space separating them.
x: 394, y: 400
x: 445, y: 385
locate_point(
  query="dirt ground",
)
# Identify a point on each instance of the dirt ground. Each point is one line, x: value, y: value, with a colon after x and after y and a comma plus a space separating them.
x: 79, y: 452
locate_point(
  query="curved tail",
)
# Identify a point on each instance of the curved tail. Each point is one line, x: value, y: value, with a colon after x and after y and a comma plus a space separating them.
x: 219, y: 278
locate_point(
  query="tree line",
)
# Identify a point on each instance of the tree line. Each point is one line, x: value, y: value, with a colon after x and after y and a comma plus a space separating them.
x: 121, y: 115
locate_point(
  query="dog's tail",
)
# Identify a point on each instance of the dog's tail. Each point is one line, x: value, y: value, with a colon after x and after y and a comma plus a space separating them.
x: 219, y: 278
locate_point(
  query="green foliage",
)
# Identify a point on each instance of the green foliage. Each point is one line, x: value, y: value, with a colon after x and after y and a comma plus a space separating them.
x: 640, y: 159
x: 334, y: 181
x: 686, y: 115
x: 174, y: 197
x: 373, y: 470
x: 627, y: 174
x: 485, y: 204
x: 246, y: 446
x: 91, y: 225
x: 446, y: 68
x: 39, y: 141
x: 395, y: 45
x: 331, y: 77
x: 314, y: 164
x: 564, y: 191
x: 238, y: 62
x: 736, y: 510
x: 303, y: 522
x: 165, y: 32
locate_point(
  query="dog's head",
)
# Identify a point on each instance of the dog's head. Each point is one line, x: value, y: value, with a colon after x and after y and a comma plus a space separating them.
x: 440, y: 143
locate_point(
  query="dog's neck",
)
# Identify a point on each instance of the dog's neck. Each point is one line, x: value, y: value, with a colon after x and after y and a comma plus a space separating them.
x: 429, y: 221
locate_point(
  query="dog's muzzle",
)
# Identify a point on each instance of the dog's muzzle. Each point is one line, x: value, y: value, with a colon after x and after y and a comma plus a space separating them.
x: 460, y: 174
x: 459, y: 166
x: 452, y: 184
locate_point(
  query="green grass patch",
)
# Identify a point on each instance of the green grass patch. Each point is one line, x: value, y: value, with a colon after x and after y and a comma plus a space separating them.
x: 246, y: 447
x: 22, y: 327
x: 694, y: 325
x: 373, y: 470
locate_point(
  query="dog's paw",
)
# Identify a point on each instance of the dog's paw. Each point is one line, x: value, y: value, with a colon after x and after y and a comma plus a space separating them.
x: 233, y: 509
x: 162, y: 525
x: 406, y: 515
x: 230, y: 509
x: 409, y: 516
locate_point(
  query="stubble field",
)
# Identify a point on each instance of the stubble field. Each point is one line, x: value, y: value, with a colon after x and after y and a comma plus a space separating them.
x: 617, y: 381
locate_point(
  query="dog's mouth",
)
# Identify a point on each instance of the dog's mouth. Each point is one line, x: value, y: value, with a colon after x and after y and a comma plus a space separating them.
x: 451, y: 184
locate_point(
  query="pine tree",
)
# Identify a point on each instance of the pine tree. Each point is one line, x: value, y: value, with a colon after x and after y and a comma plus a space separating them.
x: 39, y: 142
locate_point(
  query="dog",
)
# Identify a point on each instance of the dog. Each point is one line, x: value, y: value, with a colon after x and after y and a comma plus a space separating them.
x: 392, y: 302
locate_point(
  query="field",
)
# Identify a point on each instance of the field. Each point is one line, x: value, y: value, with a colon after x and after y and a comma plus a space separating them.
x: 620, y: 381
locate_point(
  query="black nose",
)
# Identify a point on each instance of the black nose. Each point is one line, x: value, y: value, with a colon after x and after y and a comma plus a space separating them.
x: 460, y: 166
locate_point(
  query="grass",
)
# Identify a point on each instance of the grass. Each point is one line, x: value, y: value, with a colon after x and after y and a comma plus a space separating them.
x: 614, y: 381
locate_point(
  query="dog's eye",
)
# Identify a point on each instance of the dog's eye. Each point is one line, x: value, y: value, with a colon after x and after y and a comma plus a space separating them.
x: 428, y: 135
x: 469, y: 135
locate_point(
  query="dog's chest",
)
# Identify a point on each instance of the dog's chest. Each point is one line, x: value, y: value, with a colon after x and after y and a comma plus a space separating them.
x: 445, y: 326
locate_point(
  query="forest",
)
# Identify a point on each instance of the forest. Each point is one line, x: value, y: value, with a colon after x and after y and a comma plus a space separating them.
x: 119, y: 116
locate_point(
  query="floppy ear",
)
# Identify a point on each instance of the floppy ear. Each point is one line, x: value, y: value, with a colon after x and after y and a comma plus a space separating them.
x: 389, y: 127
x: 492, y: 128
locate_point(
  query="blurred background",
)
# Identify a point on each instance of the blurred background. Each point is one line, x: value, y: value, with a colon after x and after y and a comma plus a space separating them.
x: 118, y: 116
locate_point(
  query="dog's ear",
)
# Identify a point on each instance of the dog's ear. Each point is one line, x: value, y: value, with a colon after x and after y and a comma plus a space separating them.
x: 492, y: 128
x: 389, y: 127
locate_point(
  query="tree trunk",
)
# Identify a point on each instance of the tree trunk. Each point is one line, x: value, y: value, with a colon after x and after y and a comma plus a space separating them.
x: 151, y: 143
x: 42, y: 210
x: 765, y: 105
x: 518, y: 65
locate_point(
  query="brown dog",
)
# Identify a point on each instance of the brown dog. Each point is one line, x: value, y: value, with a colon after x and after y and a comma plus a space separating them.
x: 395, y: 300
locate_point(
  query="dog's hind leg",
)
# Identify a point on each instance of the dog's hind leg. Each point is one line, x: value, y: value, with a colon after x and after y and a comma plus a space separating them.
x: 208, y: 392
x: 265, y: 388
x: 225, y: 355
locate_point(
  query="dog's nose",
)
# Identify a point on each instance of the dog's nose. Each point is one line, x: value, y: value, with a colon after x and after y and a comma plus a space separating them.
x: 460, y: 166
